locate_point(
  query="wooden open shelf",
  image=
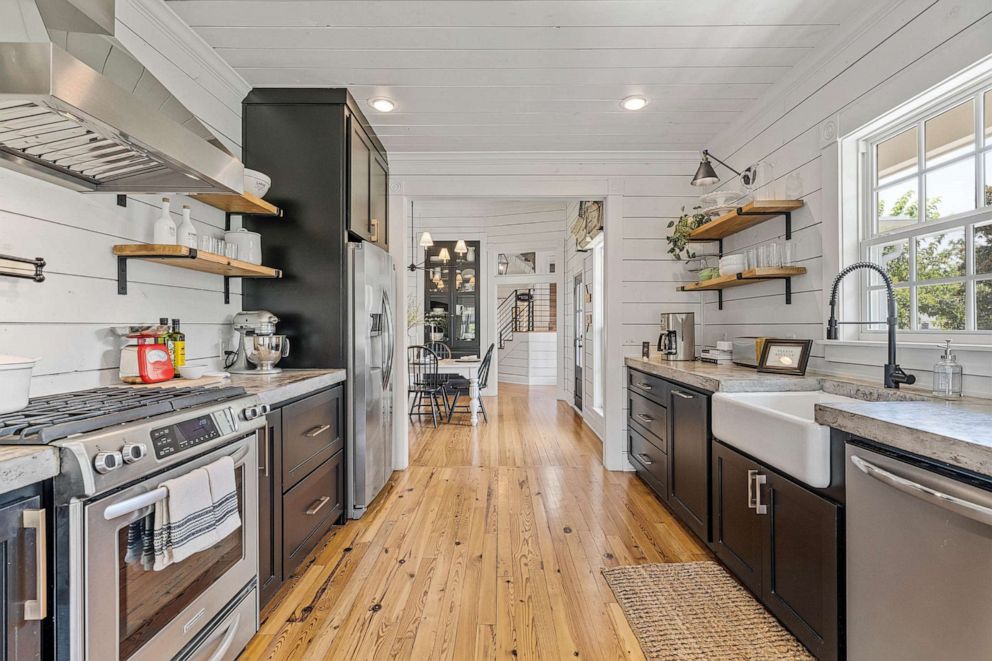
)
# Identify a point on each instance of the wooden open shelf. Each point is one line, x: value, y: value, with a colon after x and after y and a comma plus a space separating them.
x: 751, y: 276
x: 188, y: 258
x: 745, y: 278
x: 246, y: 203
x: 741, y: 218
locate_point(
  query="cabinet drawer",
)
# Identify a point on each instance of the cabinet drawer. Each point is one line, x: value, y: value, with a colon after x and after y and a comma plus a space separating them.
x: 310, y: 509
x: 650, y: 386
x: 312, y: 431
x: 649, y: 460
x: 649, y: 416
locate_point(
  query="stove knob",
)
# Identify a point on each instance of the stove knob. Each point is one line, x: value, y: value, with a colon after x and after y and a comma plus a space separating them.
x: 253, y: 412
x: 133, y: 452
x: 104, y: 462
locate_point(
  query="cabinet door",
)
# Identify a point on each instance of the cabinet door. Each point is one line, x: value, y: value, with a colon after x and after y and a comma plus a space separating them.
x: 736, y: 526
x: 270, y: 509
x: 359, y: 218
x: 688, y: 459
x: 800, y: 574
x: 22, y: 637
x: 379, y: 203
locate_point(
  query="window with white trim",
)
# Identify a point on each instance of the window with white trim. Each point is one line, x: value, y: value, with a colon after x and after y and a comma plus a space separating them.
x: 927, y: 186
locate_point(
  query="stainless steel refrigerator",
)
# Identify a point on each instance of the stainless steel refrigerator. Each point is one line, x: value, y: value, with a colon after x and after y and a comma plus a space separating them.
x: 372, y: 330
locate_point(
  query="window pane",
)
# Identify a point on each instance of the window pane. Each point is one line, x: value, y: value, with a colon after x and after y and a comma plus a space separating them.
x: 951, y: 189
x: 940, y: 255
x: 897, y: 206
x: 988, y: 179
x: 983, y: 249
x: 894, y: 258
x: 896, y: 157
x: 983, y: 294
x: 988, y: 116
x: 950, y: 134
x: 941, y: 307
x: 878, y: 300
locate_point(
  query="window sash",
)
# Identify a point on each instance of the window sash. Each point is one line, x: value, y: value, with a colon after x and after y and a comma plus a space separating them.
x: 968, y: 220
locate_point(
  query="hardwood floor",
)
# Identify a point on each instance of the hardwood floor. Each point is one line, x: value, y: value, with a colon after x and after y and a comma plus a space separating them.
x: 489, y: 546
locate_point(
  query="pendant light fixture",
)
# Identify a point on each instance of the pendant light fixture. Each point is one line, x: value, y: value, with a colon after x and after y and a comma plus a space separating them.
x: 427, y: 241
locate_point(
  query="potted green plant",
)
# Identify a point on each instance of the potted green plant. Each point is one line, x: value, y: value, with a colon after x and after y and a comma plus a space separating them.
x: 437, y: 322
x: 678, y: 240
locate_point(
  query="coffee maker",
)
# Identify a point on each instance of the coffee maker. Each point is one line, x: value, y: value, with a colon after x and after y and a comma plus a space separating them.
x: 678, y: 336
x: 258, y: 347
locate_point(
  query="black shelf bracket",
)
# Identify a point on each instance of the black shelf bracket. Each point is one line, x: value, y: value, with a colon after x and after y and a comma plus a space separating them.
x: 38, y: 263
x: 740, y: 276
x: 227, y: 289
x: 122, y: 268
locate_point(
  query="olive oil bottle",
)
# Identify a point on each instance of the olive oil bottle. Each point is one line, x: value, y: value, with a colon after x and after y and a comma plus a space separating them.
x: 177, y: 346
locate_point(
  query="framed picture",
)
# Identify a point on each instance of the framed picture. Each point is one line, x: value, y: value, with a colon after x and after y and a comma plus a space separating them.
x: 785, y: 356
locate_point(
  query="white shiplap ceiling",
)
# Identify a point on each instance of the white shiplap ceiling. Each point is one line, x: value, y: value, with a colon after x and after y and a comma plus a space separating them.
x: 525, y: 75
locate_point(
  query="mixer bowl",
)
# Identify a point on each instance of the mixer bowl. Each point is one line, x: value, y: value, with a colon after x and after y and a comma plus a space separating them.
x: 266, y: 350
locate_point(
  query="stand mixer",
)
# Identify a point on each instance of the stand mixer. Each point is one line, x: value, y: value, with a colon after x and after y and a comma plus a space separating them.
x: 259, y: 348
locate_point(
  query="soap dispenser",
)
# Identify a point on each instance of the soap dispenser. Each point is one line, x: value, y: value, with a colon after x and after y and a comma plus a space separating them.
x: 947, y: 374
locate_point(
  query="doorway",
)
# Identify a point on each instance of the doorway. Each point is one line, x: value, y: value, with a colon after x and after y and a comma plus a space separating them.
x: 578, y: 295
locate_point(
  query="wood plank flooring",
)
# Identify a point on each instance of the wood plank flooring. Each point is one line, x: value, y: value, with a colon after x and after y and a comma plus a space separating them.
x: 489, y: 546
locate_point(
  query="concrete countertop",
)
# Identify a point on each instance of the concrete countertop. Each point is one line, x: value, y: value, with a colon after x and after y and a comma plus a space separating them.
x: 957, y: 433
x: 21, y: 465
x: 289, y: 384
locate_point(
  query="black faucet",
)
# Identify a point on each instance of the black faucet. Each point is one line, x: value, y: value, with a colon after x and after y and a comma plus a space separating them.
x: 894, y: 375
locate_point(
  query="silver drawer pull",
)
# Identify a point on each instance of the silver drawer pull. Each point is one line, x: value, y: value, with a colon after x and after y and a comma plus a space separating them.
x: 317, y: 431
x: 645, y: 418
x: 759, y: 507
x: 645, y: 458
x: 37, y: 609
x: 750, y: 488
x: 683, y: 395
x: 646, y: 386
x: 316, y: 507
x: 965, y: 508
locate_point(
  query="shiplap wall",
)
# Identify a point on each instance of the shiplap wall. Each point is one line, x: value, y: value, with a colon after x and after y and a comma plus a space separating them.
x: 893, y: 57
x: 66, y: 320
x: 530, y: 359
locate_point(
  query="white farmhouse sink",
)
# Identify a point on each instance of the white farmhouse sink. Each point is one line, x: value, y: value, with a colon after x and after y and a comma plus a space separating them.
x: 778, y: 429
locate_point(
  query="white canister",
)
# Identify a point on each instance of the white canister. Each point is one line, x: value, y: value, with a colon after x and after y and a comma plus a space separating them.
x: 15, y: 382
x: 249, y: 245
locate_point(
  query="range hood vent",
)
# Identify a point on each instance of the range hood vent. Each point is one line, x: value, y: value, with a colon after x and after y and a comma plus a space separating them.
x: 65, y: 122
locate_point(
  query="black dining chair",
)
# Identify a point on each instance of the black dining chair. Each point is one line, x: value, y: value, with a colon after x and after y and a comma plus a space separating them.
x: 425, y: 383
x: 461, y: 386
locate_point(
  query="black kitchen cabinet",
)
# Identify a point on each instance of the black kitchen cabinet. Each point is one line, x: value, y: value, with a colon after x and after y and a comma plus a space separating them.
x: 736, y: 528
x: 783, y: 541
x: 270, y: 508
x: 688, y: 459
x: 24, y: 580
x: 452, y: 283
x: 330, y: 177
x: 301, y: 483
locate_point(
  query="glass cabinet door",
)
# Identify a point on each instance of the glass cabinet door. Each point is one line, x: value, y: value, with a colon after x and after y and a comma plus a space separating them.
x: 451, y: 291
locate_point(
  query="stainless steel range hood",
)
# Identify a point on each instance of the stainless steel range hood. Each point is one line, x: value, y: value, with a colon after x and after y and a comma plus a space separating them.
x: 65, y: 122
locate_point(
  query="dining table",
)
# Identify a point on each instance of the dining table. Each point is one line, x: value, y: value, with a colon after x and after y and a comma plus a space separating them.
x: 468, y: 369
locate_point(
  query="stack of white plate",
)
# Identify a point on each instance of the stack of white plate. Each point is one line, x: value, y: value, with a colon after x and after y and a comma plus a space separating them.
x: 731, y: 264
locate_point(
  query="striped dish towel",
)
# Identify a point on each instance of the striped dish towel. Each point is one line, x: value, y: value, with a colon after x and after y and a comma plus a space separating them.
x: 200, y: 510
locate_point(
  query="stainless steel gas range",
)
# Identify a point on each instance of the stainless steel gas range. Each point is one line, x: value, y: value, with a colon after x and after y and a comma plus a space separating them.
x: 117, y: 446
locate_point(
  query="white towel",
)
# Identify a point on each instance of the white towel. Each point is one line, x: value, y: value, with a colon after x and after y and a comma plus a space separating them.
x: 223, y: 492
x: 200, y: 510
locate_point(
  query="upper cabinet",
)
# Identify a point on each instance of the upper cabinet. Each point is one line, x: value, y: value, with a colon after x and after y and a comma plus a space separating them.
x: 367, y: 175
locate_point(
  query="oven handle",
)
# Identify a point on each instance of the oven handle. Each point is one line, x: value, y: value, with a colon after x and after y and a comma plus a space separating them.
x: 142, y: 501
x: 232, y: 630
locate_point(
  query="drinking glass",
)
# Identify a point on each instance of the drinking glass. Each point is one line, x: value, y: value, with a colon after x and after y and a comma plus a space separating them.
x: 231, y: 250
x: 773, y: 257
x: 788, y: 253
x: 220, y: 247
x: 206, y: 243
x: 751, y: 259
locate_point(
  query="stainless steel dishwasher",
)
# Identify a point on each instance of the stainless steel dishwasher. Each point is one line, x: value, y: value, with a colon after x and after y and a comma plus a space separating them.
x: 919, y: 560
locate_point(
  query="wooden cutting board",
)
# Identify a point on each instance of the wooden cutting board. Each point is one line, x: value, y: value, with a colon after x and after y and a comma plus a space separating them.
x: 181, y: 383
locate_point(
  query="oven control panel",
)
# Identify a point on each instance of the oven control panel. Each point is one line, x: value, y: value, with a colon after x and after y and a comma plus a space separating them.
x: 189, y: 433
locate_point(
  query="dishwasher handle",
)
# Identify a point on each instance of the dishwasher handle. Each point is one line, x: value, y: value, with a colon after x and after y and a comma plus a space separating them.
x: 965, y: 508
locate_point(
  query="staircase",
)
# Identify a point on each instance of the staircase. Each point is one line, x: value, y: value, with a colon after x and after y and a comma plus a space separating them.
x: 527, y: 311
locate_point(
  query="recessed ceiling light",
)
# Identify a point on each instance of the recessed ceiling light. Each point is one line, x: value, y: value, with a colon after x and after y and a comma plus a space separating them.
x: 382, y: 104
x: 633, y: 103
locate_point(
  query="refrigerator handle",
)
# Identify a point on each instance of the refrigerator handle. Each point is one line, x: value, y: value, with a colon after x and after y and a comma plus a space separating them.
x: 390, y: 350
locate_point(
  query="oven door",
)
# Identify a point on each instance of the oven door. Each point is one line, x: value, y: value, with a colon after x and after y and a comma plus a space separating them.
x: 133, y: 613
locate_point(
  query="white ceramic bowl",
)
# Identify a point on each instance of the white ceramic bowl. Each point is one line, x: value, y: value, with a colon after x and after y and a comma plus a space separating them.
x: 15, y: 382
x: 731, y: 264
x: 192, y: 371
x: 256, y: 183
